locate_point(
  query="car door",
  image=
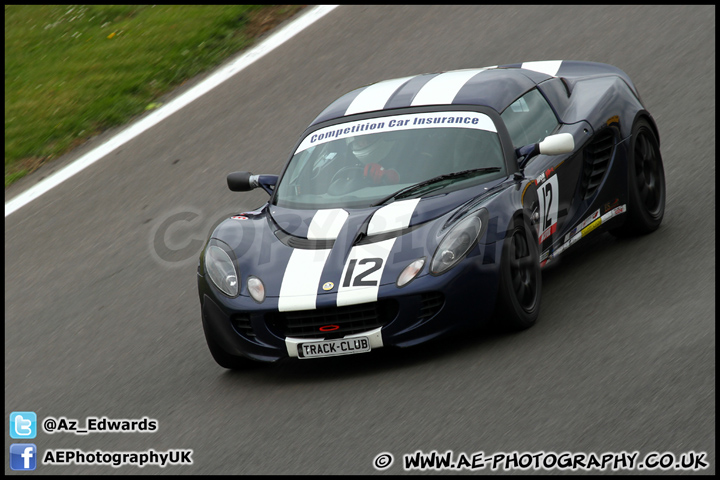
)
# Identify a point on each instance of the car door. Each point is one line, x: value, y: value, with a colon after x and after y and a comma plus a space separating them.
x: 552, y: 197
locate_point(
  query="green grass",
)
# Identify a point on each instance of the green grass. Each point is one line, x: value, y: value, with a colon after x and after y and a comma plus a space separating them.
x: 74, y: 71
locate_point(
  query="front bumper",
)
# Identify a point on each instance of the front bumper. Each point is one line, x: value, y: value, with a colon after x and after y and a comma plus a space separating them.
x: 427, y: 307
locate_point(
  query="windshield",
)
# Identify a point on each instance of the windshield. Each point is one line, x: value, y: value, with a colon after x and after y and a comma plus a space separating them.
x: 358, y: 164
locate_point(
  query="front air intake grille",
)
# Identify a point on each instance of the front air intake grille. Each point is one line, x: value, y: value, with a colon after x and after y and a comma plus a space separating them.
x: 241, y: 324
x: 349, y: 319
x: 597, y: 158
x: 430, y: 304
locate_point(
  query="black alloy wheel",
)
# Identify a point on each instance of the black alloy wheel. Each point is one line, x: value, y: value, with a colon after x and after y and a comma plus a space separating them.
x: 646, y: 184
x: 520, y: 281
x: 523, y: 275
x: 648, y: 174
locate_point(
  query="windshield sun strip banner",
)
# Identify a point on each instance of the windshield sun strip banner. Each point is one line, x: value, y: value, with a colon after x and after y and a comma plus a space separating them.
x: 466, y: 119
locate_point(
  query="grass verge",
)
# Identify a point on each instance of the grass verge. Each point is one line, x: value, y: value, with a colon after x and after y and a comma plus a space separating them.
x: 73, y: 71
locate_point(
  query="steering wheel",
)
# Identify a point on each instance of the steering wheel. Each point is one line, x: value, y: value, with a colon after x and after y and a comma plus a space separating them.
x: 348, y: 179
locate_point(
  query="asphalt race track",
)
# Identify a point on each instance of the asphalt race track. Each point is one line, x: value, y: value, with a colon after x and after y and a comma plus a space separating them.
x: 101, y: 322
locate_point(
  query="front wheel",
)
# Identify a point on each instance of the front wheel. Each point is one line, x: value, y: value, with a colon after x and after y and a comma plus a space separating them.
x: 520, y: 279
x: 646, y: 183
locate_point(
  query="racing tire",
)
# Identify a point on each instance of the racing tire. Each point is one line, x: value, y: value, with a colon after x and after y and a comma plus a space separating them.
x: 646, y: 183
x: 520, y: 289
x: 224, y: 359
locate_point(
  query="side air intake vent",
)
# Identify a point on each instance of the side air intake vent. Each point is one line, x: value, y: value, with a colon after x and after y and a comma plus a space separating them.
x: 597, y: 157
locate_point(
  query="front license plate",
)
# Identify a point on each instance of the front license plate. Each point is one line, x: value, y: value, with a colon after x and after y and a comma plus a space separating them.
x: 331, y: 348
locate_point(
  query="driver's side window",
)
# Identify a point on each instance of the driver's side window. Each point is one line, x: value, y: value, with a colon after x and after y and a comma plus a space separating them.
x: 529, y: 119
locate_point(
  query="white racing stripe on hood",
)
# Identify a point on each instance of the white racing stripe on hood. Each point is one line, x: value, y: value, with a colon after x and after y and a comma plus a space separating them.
x: 326, y: 224
x: 548, y: 67
x: 298, y: 290
x: 443, y: 88
x: 365, y: 264
x: 361, y: 275
x: 375, y: 96
x: 395, y: 216
x: 363, y: 270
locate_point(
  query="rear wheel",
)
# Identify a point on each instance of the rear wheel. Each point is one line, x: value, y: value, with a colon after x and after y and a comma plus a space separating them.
x: 224, y: 359
x: 646, y: 182
x: 520, y: 279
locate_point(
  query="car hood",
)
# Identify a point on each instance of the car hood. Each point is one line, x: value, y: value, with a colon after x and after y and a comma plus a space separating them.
x: 299, y: 254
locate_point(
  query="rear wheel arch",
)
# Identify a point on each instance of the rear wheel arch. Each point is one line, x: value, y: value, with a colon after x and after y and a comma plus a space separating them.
x: 645, y: 115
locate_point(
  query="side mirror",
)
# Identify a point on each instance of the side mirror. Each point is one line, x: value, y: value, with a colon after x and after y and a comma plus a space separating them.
x: 242, y: 181
x: 552, y: 145
x: 557, y: 144
x: 246, y: 181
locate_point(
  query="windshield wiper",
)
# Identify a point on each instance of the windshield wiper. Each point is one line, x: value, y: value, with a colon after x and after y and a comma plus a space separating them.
x: 412, y: 188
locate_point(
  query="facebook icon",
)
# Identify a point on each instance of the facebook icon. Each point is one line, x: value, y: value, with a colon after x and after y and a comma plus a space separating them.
x: 23, y: 456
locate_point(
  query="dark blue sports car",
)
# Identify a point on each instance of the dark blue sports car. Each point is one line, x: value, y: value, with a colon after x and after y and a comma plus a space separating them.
x: 420, y: 205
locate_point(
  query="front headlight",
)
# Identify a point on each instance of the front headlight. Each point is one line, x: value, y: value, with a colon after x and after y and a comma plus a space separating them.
x: 458, y: 242
x: 221, y: 270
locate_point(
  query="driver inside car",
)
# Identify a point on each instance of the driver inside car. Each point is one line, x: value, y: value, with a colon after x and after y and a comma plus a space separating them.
x: 371, y: 151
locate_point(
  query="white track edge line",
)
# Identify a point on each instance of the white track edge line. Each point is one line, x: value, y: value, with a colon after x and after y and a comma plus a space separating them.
x: 263, y: 48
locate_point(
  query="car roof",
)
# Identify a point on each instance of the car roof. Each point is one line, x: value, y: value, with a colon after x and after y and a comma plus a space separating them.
x: 495, y: 87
